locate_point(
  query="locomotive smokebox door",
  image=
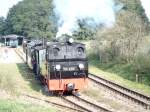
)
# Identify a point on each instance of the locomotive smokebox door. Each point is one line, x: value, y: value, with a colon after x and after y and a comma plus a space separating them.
x: 70, y: 86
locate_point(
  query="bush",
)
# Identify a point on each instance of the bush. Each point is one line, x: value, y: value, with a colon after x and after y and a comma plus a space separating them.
x: 142, y: 64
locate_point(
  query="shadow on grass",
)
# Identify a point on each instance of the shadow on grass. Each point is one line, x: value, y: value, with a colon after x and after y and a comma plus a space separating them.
x: 34, y: 83
x: 29, y: 76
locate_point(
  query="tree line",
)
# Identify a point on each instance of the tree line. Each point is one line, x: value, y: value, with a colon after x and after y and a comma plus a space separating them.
x: 30, y: 18
x: 36, y: 19
x: 125, y: 48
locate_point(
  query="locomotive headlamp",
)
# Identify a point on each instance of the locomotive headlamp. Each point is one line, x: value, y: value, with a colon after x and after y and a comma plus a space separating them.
x: 70, y: 86
x: 24, y: 41
x: 71, y: 40
x: 47, y: 43
x: 81, y: 66
x: 58, y: 67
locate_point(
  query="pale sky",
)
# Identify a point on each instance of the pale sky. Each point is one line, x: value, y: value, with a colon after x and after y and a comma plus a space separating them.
x: 5, y: 5
x: 146, y: 5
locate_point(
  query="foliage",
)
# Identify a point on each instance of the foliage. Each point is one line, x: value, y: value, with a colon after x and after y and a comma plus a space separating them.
x: 142, y: 64
x: 2, y: 25
x: 31, y: 18
x: 122, y: 42
x: 85, y: 32
x: 119, y: 73
x: 121, y: 48
x: 124, y: 39
x: 134, y: 6
x: 129, y: 6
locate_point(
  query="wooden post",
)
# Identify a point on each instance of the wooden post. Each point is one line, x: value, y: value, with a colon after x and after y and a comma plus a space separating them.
x: 137, y: 78
x: 5, y: 41
x: 141, y: 79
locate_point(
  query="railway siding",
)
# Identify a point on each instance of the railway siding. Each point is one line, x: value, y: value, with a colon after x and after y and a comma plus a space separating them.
x: 59, y: 105
x: 85, y: 104
x: 134, y: 96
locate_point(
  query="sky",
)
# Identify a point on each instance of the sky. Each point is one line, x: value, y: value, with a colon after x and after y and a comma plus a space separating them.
x: 5, y: 5
x: 146, y: 6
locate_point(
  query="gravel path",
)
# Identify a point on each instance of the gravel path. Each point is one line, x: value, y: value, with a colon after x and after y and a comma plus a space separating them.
x: 8, y: 55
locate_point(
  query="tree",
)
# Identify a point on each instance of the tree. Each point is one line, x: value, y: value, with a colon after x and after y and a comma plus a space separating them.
x: 31, y: 18
x: 2, y: 25
x: 84, y: 32
x: 123, y: 40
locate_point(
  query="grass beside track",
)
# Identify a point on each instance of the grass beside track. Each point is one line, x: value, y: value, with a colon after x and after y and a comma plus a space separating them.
x: 116, y: 74
x: 22, y: 106
x: 120, y: 80
x: 9, y: 80
x: 16, y: 79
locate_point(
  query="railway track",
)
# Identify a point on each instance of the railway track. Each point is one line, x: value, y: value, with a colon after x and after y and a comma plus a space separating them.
x: 74, y: 100
x: 132, y: 95
x: 85, y: 105
x: 20, y: 54
x: 54, y: 103
x: 129, y: 94
x: 77, y: 104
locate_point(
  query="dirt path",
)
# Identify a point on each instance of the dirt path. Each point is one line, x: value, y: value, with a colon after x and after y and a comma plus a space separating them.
x: 8, y: 55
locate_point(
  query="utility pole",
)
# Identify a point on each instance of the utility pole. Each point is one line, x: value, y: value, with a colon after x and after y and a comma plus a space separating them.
x: 5, y: 40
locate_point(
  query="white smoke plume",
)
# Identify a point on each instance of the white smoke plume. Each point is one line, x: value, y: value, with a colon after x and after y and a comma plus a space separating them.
x: 146, y: 6
x: 95, y: 11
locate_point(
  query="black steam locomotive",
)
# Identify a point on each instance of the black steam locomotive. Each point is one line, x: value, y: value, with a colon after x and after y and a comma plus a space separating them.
x: 62, y: 66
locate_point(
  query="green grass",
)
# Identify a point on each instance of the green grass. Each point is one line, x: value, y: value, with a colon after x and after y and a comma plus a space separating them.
x: 8, y: 78
x: 21, y: 106
x: 117, y: 76
x: 27, y: 79
x: 16, y: 78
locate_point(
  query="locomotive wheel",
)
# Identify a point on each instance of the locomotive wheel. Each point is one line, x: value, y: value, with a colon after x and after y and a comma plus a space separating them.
x: 60, y: 93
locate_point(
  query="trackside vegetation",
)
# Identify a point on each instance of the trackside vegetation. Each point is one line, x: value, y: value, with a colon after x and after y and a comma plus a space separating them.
x: 124, y: 50
x: 16, y: 80
x: 22, y: 106
x: 123, y: 74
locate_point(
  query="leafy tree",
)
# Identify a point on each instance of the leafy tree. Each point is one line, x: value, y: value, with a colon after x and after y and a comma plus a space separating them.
x: 2, y: 25
x: 124, y: 40
x: 122, y: 47
x: 134, y: 6
x: 84, y: 33
x: 31, y: 18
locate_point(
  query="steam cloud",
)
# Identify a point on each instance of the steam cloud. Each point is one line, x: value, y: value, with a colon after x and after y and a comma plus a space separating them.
x: 145, y: 4
x: 96, y: 12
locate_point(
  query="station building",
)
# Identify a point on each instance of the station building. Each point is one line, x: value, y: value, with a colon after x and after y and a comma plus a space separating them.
x: 12, y: 40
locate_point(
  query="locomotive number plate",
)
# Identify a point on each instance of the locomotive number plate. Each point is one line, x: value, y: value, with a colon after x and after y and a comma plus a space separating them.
x: 69, y: 68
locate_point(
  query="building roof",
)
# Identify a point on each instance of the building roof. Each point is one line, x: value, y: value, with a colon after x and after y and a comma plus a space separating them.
x: 12, y: 36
